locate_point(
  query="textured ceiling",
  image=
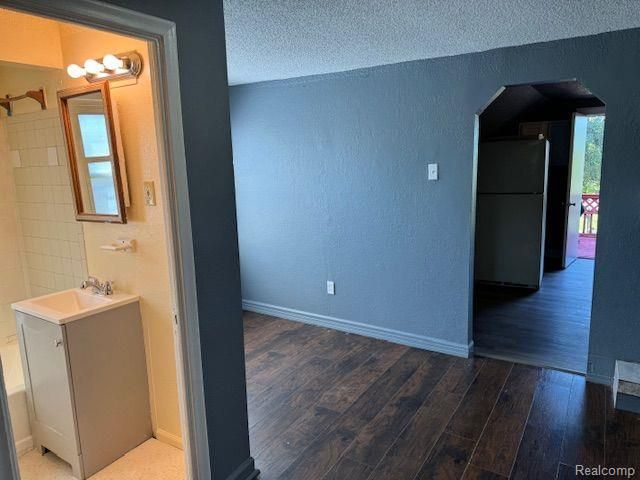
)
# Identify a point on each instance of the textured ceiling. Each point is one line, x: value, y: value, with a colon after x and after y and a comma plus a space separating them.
x: 275, y: 39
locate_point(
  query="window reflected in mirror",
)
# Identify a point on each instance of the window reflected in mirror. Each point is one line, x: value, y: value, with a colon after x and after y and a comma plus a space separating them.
x: 93, y: 130
x: 90, y: 133
x: 103, y: 191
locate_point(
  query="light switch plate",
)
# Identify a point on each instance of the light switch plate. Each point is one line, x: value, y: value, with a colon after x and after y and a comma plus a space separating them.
x: 432, y: 171
x: 149, y: 194
x: 331, y: 288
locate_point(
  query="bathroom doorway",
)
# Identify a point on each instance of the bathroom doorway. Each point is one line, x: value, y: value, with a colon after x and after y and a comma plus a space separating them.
x: 52, y: 252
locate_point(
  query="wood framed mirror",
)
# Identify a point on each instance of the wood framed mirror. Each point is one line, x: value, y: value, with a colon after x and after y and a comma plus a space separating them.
x: 95, y: 160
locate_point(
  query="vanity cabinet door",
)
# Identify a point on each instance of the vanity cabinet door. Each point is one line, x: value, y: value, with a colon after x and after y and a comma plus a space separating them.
x: 48, y: 388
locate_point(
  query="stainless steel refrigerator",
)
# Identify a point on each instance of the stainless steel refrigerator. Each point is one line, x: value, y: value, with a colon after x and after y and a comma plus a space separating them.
x: 511, y: 211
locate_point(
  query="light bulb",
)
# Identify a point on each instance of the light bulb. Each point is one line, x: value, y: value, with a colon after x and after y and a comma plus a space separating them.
x: 93, y: 67
x: 76, y: 71
x: 111, y: 62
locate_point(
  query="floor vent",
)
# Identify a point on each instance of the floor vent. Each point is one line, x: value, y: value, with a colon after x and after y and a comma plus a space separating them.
x: 626, y: 386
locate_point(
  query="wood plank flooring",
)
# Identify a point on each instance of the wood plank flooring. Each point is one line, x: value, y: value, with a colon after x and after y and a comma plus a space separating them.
x: 327, y: 405
x: 548, y: 327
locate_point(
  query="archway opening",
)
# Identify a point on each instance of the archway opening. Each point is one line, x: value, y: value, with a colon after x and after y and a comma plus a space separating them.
x: 537, y: 207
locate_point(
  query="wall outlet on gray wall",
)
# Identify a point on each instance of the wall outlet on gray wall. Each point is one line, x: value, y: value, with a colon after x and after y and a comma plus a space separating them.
x: 331, y: 288
x: 432, y: 171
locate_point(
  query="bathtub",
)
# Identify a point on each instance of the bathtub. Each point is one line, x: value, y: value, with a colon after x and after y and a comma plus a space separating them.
x: 17, y: 396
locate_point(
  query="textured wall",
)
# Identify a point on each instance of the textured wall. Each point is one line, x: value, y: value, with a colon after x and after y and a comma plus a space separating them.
x: 330, y: 179
x: 29, y: 40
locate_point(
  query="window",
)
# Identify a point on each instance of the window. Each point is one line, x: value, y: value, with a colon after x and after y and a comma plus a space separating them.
x: 103, y: 188
x: 93, y: 130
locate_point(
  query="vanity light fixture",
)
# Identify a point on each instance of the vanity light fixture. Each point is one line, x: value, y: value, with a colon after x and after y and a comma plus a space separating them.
x: 93, y: 67
x: 76, y: 71
x: 110, y: 67
x: 111, y: 62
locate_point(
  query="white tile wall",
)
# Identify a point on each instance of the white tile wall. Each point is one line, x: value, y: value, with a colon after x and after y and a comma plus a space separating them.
x: 13, y: 286
x: 52, y: 240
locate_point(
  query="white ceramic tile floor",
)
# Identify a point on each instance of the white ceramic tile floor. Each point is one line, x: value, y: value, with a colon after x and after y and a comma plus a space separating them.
x: 153, y: 460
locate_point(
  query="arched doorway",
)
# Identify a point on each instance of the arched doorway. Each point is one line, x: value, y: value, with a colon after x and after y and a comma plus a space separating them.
x: 539, y: 157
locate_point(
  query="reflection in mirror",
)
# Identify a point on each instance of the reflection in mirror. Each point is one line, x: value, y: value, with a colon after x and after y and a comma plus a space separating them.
x: 89, y: 132
x: 93, y: 154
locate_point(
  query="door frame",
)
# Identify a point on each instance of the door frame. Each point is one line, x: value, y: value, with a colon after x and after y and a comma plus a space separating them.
x: 163, y: 51
x: 586, y: 112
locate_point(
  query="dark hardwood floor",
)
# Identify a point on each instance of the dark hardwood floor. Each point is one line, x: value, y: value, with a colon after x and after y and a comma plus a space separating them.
x: 548, y: 327
x: 327, y: 405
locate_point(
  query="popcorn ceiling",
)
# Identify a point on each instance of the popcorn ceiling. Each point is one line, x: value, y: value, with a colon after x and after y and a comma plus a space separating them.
x: 276, y: 39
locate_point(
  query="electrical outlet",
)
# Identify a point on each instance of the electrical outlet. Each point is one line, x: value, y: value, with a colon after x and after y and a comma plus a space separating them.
x: 149, y: 194
x: 432, y: 171
x: 331, y: 288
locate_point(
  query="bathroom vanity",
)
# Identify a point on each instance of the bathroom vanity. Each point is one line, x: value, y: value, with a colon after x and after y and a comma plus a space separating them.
x: 85, y: 375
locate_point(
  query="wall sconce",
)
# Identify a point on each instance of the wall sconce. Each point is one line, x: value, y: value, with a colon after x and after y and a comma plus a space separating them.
x: 110, y: 67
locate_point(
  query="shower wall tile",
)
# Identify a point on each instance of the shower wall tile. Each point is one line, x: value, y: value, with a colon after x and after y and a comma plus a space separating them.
x: 52, y: 241
x: 13, y: 286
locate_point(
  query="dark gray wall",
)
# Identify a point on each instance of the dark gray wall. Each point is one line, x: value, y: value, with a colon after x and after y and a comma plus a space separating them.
x: 330, y: 179
x: 205, y: 109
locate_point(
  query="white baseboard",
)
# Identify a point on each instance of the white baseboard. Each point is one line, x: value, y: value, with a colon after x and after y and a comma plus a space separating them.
x: 394, y: 336
x: 169, y: 438
x: 24, y: 445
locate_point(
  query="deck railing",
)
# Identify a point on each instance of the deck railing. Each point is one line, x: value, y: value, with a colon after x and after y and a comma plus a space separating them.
x: 589, y: 220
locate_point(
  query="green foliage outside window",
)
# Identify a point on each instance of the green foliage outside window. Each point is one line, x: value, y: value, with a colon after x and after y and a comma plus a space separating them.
x: 593, y: 156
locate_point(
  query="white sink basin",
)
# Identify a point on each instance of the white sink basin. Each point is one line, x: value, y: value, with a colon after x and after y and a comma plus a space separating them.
x: 68, y: 305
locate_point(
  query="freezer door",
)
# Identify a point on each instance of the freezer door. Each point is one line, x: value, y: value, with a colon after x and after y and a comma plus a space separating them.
x: 513, y: 166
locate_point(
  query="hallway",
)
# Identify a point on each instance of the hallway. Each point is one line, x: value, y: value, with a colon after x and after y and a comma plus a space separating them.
x: 548, y: 327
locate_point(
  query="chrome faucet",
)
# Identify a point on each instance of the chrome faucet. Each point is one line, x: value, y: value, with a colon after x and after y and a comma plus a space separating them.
x: 98, y: 287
